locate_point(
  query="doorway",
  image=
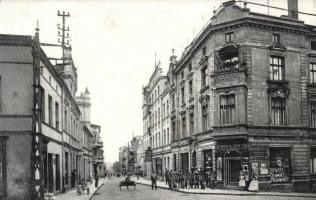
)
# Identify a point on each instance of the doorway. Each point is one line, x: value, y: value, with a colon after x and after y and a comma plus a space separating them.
x: 232, y: 168
x: 50, y: 176
x: 57, y: 172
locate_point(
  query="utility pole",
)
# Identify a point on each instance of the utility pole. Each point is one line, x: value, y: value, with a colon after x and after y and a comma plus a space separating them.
x: 64, y: 32
x: 37, y: 184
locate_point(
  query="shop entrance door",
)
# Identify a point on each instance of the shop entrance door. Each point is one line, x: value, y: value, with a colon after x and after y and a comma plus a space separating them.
x: 232, y: 168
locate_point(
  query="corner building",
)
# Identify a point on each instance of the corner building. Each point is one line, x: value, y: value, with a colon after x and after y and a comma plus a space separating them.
x: 242, y: 97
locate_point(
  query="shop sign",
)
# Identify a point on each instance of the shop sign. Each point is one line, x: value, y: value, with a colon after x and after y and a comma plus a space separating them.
x: 148, y: 155
x: 227, y: 147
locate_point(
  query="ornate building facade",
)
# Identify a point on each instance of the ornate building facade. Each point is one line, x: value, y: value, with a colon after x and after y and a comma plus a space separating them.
x: 242, y: 99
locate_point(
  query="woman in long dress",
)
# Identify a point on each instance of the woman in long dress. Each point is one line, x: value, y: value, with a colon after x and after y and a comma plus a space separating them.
x: 242, y: 182
x: 254, y: 184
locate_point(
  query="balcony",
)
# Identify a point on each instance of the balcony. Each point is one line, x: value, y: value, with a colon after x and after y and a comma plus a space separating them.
x: 97, y: 144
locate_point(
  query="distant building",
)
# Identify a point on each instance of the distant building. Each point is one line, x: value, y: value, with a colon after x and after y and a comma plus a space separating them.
x: 156, y: 122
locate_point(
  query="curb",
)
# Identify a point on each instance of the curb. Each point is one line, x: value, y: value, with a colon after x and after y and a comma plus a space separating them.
x: 92, y: 194
x: 232, y: 194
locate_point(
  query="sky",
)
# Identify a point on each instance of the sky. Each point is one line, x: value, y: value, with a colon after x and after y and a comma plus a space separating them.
x: 114, y: 44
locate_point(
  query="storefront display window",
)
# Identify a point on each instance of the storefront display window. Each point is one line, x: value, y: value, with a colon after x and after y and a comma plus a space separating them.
x: 313, y: 161
x: 219, y: 169
x: 207, y: 157
x: 280, y: 165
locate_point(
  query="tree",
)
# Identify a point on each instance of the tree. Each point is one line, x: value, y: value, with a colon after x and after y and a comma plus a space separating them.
x: 117, y: 167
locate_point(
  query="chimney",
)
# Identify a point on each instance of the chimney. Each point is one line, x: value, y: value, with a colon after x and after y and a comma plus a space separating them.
x: 292, y: 8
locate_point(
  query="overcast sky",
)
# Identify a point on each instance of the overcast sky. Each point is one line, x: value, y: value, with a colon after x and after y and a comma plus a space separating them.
x: 114, y: 45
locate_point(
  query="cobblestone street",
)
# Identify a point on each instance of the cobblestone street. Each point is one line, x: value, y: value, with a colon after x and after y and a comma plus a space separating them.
x: 110, y: 190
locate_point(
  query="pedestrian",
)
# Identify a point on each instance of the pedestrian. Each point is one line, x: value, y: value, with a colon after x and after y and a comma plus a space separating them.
x: 201, y: 179
x: 213, y: 177
x: 166, y: 176
x: 242, y: 182
x: 153, y: 181
x: 254, y: 185
x: 96, y: 177
x: 73, y: 178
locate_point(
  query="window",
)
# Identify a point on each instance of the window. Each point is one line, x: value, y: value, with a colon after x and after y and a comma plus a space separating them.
x: 57, y: 115
x: 276, y: 38
x: 65, y: 117
x: 203, y: 77
x: 313, y: 160
x: 313, y: 45
x: 205, y: 117
x: 278, y: 110
x: 313, y: 114
x: 173, y: 102
x: 182, y: 95
x: 164, y: 137
x: 182, y: 74
x: 191, y: 118
x: 227, y: 109
x: 276, y: 68
x: 2, y: 167
x: 280, y: 165
x: 50, y: 110
x: 312, y: 73
x: 184, y: 127
x: 167, y: 135
x: 190, y: 89
x: 167, y: 107
x: 190, y: 67
x: 43, y: 104
x: 204, y: 51
x: 163, y: 110
x: 173, y: 131
x: 207, y: 158
x: 229, y: 37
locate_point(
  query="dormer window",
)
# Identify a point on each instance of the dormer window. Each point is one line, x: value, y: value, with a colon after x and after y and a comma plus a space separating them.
x: 229, y: 37
x: 276, y: 38
x: 313, y: 45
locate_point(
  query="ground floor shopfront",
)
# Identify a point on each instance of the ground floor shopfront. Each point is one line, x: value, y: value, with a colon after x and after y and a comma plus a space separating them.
x: 161, y: 161
x: 281, y: 163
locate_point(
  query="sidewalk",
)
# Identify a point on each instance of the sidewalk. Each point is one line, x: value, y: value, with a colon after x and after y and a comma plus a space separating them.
x: 73, y: 195
x: 161, y: 184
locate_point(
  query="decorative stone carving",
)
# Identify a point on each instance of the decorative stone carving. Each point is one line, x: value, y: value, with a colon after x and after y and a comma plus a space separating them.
x: 279, y: 91
x: 204, y: 99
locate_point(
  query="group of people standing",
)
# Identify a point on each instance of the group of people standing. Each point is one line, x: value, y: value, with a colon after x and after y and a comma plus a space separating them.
x: 194, y: 179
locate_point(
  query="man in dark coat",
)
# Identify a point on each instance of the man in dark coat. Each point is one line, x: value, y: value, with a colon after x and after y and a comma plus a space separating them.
x: 153, y: 178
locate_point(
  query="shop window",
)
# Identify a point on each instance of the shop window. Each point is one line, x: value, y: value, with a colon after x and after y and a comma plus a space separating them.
x: 313, y: 45
x: 276, y: 38
x: 312, y: 73
x: 313, y: 113
x: 278, y: 110
x: 207, y: 158
x: 280, y: 165
x: 2, y: 167
x: 229, y: 37
x: 227, y: 109
x: 276, y: 68
x: 313, y: 160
